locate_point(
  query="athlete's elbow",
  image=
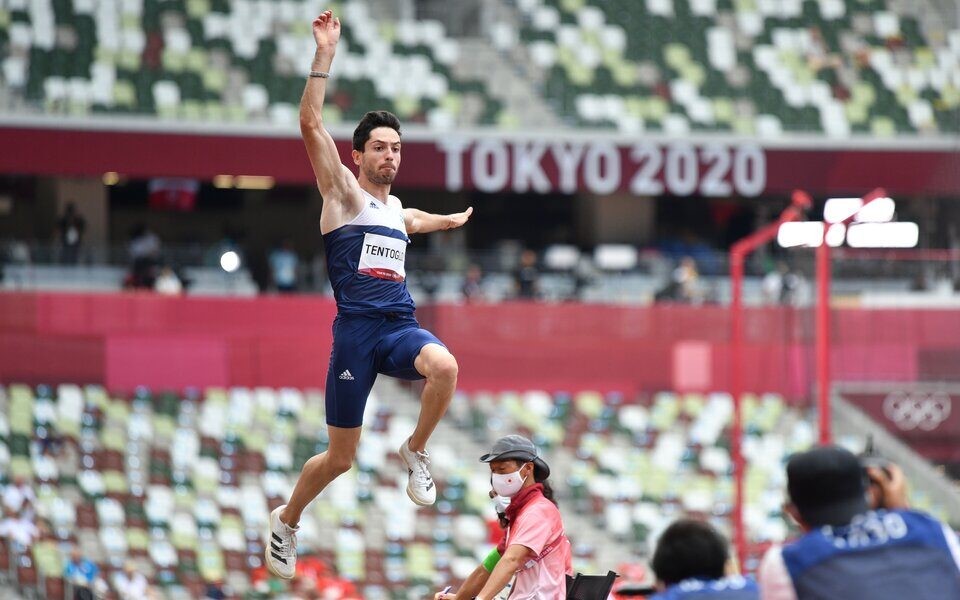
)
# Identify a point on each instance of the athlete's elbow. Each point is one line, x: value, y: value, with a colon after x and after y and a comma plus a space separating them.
x: 311, y: 122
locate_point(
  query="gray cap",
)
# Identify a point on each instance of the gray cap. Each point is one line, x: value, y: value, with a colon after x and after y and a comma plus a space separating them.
x: 517, y: 447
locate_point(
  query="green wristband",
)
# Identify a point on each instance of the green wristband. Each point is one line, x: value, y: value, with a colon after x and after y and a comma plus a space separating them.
x: 491, y: 561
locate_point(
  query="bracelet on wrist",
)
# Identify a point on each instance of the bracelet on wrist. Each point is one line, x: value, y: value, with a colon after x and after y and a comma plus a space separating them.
x: 320, y: 74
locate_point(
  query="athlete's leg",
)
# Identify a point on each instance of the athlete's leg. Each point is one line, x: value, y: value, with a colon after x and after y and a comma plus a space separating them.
x: 350, y: 377
x: 320, y: 470
x: 439, y: 368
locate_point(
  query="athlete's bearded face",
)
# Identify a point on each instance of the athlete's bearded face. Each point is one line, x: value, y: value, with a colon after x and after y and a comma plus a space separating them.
x: 380, y: 158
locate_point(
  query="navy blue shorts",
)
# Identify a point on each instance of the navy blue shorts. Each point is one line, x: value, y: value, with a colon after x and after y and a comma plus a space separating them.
x: 363, y: 346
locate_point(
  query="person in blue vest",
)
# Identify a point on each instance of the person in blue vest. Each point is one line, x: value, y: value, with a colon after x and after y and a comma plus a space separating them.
x: 692, y: 562
x: 861, y: 541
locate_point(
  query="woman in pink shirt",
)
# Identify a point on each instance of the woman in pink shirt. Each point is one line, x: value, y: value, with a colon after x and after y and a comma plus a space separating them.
x: 534, y: 551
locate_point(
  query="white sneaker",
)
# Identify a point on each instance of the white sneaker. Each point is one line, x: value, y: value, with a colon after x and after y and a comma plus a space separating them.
x: 420, y: 486
x: 281, y: 550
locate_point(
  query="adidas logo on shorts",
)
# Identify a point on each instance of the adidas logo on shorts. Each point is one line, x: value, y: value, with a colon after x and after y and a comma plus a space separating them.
x: 346, y: 376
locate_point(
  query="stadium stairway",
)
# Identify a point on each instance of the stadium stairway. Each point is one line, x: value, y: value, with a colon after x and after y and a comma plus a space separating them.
x: 522, y: 104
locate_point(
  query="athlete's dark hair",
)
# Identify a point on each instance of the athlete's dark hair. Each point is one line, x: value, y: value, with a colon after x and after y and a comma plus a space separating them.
x: 369, y: 122
x: 690, y: 548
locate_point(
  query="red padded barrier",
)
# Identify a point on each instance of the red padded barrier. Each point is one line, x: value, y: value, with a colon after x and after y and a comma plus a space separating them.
x: 143, y: 339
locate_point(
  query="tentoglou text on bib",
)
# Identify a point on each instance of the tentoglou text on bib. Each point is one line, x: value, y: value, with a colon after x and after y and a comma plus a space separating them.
x: 382, y: 257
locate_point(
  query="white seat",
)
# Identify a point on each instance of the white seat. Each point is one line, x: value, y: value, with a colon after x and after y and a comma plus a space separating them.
x: 279, y: 457
x: 886, y: 24
x: 110, y: 512
x: 15, y: 71
x: 176, y: 39
x: 545, y: 18
x: 750, y: 23
x: 185, y: 448
x: 590, y: 18
x: 569, y: 36
x: 920, y: 113
x: 675, y: 124
x: 133, y: 40
x: 590, y: 107
x: 162, y: 553
x: 721, y: 49
x: 55, y: 88
x: 78, y: 91
x: 561, y: 257
x: 663, y: 8
x: 206, y: 511
x: 91, y: 482
x: 768, y: 126
x: 615, y: 257
x: 131, y: 7
x: 446, y: 52
x: 441, y: 119
x: 255, y: 98
x: 833, y: 118
x: 703, y: 8
x: 700, y: 110
x: 113, y: 541
x: 543, y: 53
x: 614, y: 37
x: 166, y: 94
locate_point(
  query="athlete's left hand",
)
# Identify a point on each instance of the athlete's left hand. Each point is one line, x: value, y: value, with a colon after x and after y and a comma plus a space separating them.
x: 458, y: 219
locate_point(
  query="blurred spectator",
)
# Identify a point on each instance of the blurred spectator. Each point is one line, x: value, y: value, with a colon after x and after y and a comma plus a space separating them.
x: 687, y: 278
x: 83, y: 573
x: 19, y: 528
x: 692, y: 560
x: 684, y: 284
x: 472, y: 289
x: 144, y: 251
x: 70, y: 228
x: 583, y: 275
x: 130, y: 584
x: 780, y: 285
x: 859, y: 542
x: 527, y: 278
x: 215, y: 591
x: 18, y: 252
x: 167, y: 283
x: 18, y: 495
x: 283, y: 267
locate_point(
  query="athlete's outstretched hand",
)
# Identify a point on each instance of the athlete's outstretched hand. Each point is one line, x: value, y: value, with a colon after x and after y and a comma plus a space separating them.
x: 326, y: 32
x: 458, y: 219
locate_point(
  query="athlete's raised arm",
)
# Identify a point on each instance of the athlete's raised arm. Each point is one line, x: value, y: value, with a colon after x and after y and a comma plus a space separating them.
x: 418, y: 221
x: 335, y: 181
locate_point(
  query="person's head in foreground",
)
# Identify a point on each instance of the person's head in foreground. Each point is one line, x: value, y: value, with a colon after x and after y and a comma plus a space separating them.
x: 827, y: 485
x: 515, y: 465
x: 692, y: 559
x: 690, y: 549
x: 376, y: 146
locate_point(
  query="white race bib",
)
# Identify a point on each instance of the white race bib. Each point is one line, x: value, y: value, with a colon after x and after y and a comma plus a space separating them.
x: 382, y: 257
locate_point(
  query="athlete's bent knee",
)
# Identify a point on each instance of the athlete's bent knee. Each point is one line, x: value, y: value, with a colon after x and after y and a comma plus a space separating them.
x: 445, y: 368
x: 340, y: 464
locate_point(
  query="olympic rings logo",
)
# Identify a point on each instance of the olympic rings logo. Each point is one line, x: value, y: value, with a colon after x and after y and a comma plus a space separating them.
x: 917, y: 410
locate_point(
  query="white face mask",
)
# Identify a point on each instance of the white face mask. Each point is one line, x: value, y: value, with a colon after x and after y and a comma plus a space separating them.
x: 500, y: 504
x: 508, y: 484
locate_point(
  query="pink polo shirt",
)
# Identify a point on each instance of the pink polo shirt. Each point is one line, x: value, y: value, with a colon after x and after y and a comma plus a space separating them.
x: 540, y: 528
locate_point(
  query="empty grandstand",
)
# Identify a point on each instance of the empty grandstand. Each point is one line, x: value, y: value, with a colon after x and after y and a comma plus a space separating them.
x: 165, y: 308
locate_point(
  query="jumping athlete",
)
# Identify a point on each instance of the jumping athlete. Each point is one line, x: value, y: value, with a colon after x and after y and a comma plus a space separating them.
x: 365, y: 235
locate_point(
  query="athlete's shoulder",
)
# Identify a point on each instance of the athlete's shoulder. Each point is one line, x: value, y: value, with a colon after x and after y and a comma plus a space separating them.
x: 394, y: 201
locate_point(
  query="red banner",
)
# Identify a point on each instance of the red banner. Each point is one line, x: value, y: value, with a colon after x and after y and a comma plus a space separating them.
x: 499, y: 164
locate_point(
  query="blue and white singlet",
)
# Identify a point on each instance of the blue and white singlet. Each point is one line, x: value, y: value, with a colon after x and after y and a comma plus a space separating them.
x: 365, y: 260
